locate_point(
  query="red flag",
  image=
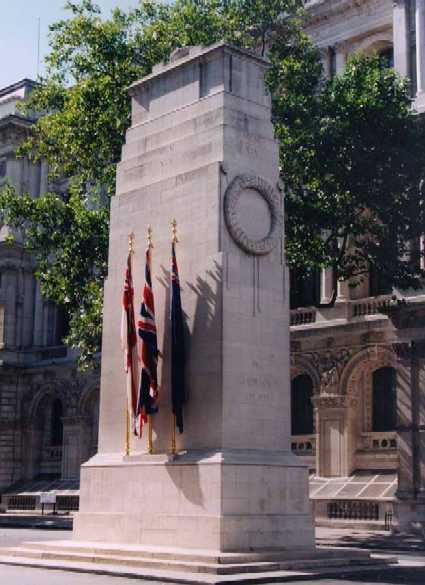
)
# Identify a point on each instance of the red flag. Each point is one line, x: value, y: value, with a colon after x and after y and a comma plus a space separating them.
x: 129, y: 344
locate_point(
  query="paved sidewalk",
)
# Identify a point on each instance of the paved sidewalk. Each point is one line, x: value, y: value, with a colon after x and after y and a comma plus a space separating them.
x: 408, y: 549
x: 371, y: 540
x: 30, y: 576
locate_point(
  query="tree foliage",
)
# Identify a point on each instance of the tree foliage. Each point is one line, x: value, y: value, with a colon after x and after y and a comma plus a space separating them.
x: 351, y: 154
x: 352, y: 159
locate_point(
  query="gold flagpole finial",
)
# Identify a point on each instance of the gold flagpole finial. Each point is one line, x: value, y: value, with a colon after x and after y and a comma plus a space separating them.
x: 174, y: 231
x: 150, y: 244
x: 131, y: 243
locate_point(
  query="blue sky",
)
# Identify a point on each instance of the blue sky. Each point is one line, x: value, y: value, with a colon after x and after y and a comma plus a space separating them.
x: 19, y: 33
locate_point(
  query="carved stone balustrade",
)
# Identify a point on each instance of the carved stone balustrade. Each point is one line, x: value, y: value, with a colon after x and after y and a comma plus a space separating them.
x: 303, y: 316
x: 382, y: 441
x: 303, y: 444
x: 369, y: 305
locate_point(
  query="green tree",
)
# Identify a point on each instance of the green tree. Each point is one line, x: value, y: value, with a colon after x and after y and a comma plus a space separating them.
x: 352, y: 160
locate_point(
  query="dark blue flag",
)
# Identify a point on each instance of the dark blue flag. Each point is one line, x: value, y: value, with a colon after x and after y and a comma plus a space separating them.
x: 177, y: 344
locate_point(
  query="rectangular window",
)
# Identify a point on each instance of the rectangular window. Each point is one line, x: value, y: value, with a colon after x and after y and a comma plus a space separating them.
x: 2, y: 332
x: 411, y: 20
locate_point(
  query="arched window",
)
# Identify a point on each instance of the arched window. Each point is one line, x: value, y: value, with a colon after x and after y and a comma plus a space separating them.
x: 386, y: 57
x: 384, y: 403
x: 56, y: 424
x: 301, y: 405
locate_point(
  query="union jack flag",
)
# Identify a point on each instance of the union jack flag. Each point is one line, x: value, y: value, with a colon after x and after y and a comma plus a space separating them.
x: 129, y: 343
x: 177, y: 344
x: 148, y: 392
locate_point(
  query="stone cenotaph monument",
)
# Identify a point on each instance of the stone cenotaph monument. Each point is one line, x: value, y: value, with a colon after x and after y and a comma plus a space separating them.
x: 232, y: 503
x: 201, y: 149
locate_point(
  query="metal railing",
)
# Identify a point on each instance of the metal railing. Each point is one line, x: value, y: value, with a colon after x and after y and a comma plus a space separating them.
x: 21, y: 503
x: 68, y: 503
x: 353, y: 510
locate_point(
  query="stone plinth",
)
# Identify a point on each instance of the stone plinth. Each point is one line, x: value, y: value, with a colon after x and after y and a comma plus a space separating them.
x: 201, y: 150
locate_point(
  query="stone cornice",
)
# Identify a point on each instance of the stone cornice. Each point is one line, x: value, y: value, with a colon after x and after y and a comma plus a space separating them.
x: 325, y: 401
x: 326, y: 9
x: 22, y: 83
x: 329, y: 14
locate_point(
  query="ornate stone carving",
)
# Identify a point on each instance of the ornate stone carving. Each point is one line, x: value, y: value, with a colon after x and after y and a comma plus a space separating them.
x: 269, y: 194
x: 333, y: 401
x: 330, y: 365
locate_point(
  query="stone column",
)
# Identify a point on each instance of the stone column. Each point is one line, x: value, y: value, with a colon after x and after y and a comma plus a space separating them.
x: 334, y: 448
x: 28, y: 302
x: 38, y: 315
x: 325, y: 57
x: 71, y: 448
x: 420, y: 54
x: 343, y: 291
x: 410, y: 436
x: 340, y: 57
x: 401, y: 37
x: 10, y: 276
x: 326, y: 285
x: 421, y: 428
x: 404, y: 424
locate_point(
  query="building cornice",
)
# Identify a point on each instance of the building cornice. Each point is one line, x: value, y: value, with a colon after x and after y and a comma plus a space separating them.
x: 319, y: 10
x: 325, y: 11
x: 14, y: 87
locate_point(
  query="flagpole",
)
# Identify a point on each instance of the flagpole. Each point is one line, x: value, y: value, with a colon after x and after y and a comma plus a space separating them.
x: 127, y: 414
x: 150, y: 431
x: 173, y: 435
x: 127, y: 432
x: 174, y: 240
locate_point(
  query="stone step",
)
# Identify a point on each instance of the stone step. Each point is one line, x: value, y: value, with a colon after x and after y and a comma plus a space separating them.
x: 148, y: 563
x: 178, y: 562
x: 203, y: 556
x: 192, y: 578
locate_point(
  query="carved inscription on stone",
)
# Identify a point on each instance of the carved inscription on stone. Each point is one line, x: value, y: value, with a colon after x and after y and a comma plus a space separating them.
x: 240, y: 187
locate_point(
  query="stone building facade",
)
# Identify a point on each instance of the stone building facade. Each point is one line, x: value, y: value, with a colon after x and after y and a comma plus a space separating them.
x: 48, y: 411
x: 358, y: 374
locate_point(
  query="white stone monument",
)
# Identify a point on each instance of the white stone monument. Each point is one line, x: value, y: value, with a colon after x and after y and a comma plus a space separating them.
x: 201, y: 149
x: 232, y: 504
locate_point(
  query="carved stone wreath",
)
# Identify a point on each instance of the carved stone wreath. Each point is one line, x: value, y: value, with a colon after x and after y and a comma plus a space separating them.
x: 271, y: 197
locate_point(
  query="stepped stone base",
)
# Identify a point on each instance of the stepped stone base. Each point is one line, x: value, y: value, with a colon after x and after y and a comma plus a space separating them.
x: 230, y: 501
x: 178, y: 565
